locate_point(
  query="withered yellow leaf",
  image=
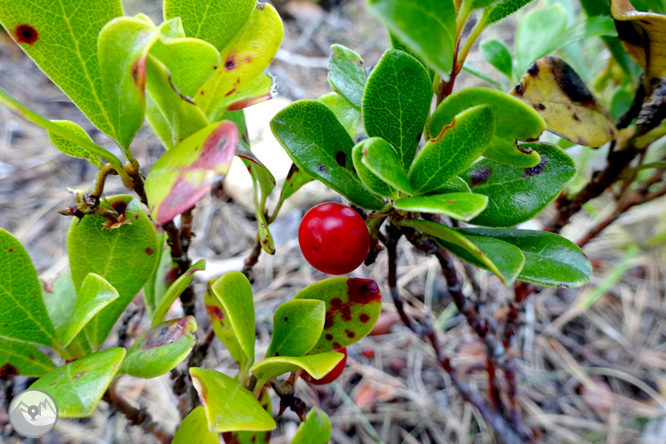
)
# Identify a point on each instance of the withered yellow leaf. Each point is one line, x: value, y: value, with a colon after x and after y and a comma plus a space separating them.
x: 570, y: 110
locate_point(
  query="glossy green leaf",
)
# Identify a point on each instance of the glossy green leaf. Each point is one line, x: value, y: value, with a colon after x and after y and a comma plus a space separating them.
x: 503, y: 259
x: 518, y: 194
x: 477, y: 4
x: 321, y: 147
x: 187, y: 172
x: 219, y: 320
x: 296, y: 178
x: 316, y: 429
x: 427, y: 27
x: 503, y: 9
x: 498, y: 55
x: 70, y: 148
x: 93, y: 296
x: 77, y: 387
x: 550, y: 259
x: 194, y: 429
x: 454, y: 185
x: 347, y: 114
x: 381, y: 159
x: 397, y: 102
x: 234, y: 292
x: 61, y: 37
x: 125, y: 256
x: 60, y: 297
x: 242, y: 60
x: 253, y: 437
x: 352, y: 309
x: 397, y: 44
x: 19, y: 358
x: 229, y: 406
x: 215, y: 21
x: 456, y: 147
x: 538, y: 34
x: 346, y: 74
x: 175, y: 290
x: 23, y: 316
x: 368, y: 178
x: 514, y: 121
x: 123, y: 46
x: 463, y: 206
x: 161, y: 348
x: 159, y: 281
x: 316, y: 366
x: 297, y: 326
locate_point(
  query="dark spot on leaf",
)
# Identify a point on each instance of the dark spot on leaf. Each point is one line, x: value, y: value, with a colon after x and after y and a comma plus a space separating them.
x: 149, y: 251
x: 286, y: 319
x: 322, y: 169
x: 229, y: 64
x: 533, y: 70
x: 167, y: 334
x: 10, y: 250
x: 26, y: 34
x: 350, y: 334
x: 570, y: 83
x: 136, y: 217
x: 8, y: 370
x: 31, y: 357
x: 576, y: 118
x: 215, y: 312
x: 78, y: 375
x: 336, y: 345
x: 452, y: 201
x: 364, y: 318
x: 341, y: 158
x: 230, y: 92
x: 201, y: 92
x: 537, y: 169
x: 120, y: 207
x: 539, y: 106
x: 329, y: 337
x: 254, y: 438
x: 6, y: 324
x: 519, y: 89
x: 363, y: 291
x: 480, y: 175
x: 293, y: 170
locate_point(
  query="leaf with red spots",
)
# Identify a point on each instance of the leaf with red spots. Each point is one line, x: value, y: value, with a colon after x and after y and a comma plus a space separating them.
x: 120, y: 256
x: 317, y: 366
x: 570, y: 110
x: 463, y: 206
x: 174, y: 291
x: 514, y: 121
x: 77, y: 387
x: 352, y: 308
x: 123, y: 47
x: 160, y: 349
x: 297, y: 326
x: 233, y: 85
x: 316, y: 429
x: 23, y: 316
x: 229, y: 406
x: 187, y: 172
x: 194, y: 429
x: 502, y: 258
x: 231, y: 312
x: 19, y: 358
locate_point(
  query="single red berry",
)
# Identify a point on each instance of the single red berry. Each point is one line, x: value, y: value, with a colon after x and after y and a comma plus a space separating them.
x: 334, y: 238
x: 333, y: 374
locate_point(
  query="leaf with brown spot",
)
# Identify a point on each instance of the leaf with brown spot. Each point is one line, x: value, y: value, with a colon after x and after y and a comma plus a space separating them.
x: 20, y: 358
x: 352, y: 305
x: 570, y: 110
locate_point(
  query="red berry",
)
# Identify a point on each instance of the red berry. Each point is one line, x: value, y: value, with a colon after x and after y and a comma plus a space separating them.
x: 333, y: 374
x: 334, y: 238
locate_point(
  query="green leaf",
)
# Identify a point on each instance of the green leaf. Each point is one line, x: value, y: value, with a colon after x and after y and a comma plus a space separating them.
x: 538, y: 34
x: 463, y: 206
x: 242, y: 60
x: 550, y: 259
x: 514, y: 121
x: 77, y: 387
x: 427, y: 27
x: 70, y: 148
x: 321, y: 147
x: 219, y: 320
x: 296, y: 178
x: 124, y: 256
x: 518, y: 194
x: 297, y: 326
x: 61, y: 37
x: 24, y: 316
x: 396, y: 103
x: 352, y: 309
x: 60, y: 298
x: 161, y: 348
x: 215, y: 21
x: 368, y: 178
x: 229, y: 406
x: 381, y: 159
x: 159, y: 281
x: 397, y: 44
x: 456, y: 147
x: 454, y: 185
x: 346, y: 74
x: 316, y: 366
x: 194, y: 429
x: 498, y: 55
x: 316, y: 429
x: 123, y: 47
x: 347, y: 114
x: 477, y: 4
x: 19, y: 358
x: 501, y: 258
x: 234, y: 292
x: 265, y: 236
x: 503, y: 10
x: 475, y: 72
x: 174, y: 291
x: 187, y: 172
x: 94, y: 295
x: 253, y: 437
